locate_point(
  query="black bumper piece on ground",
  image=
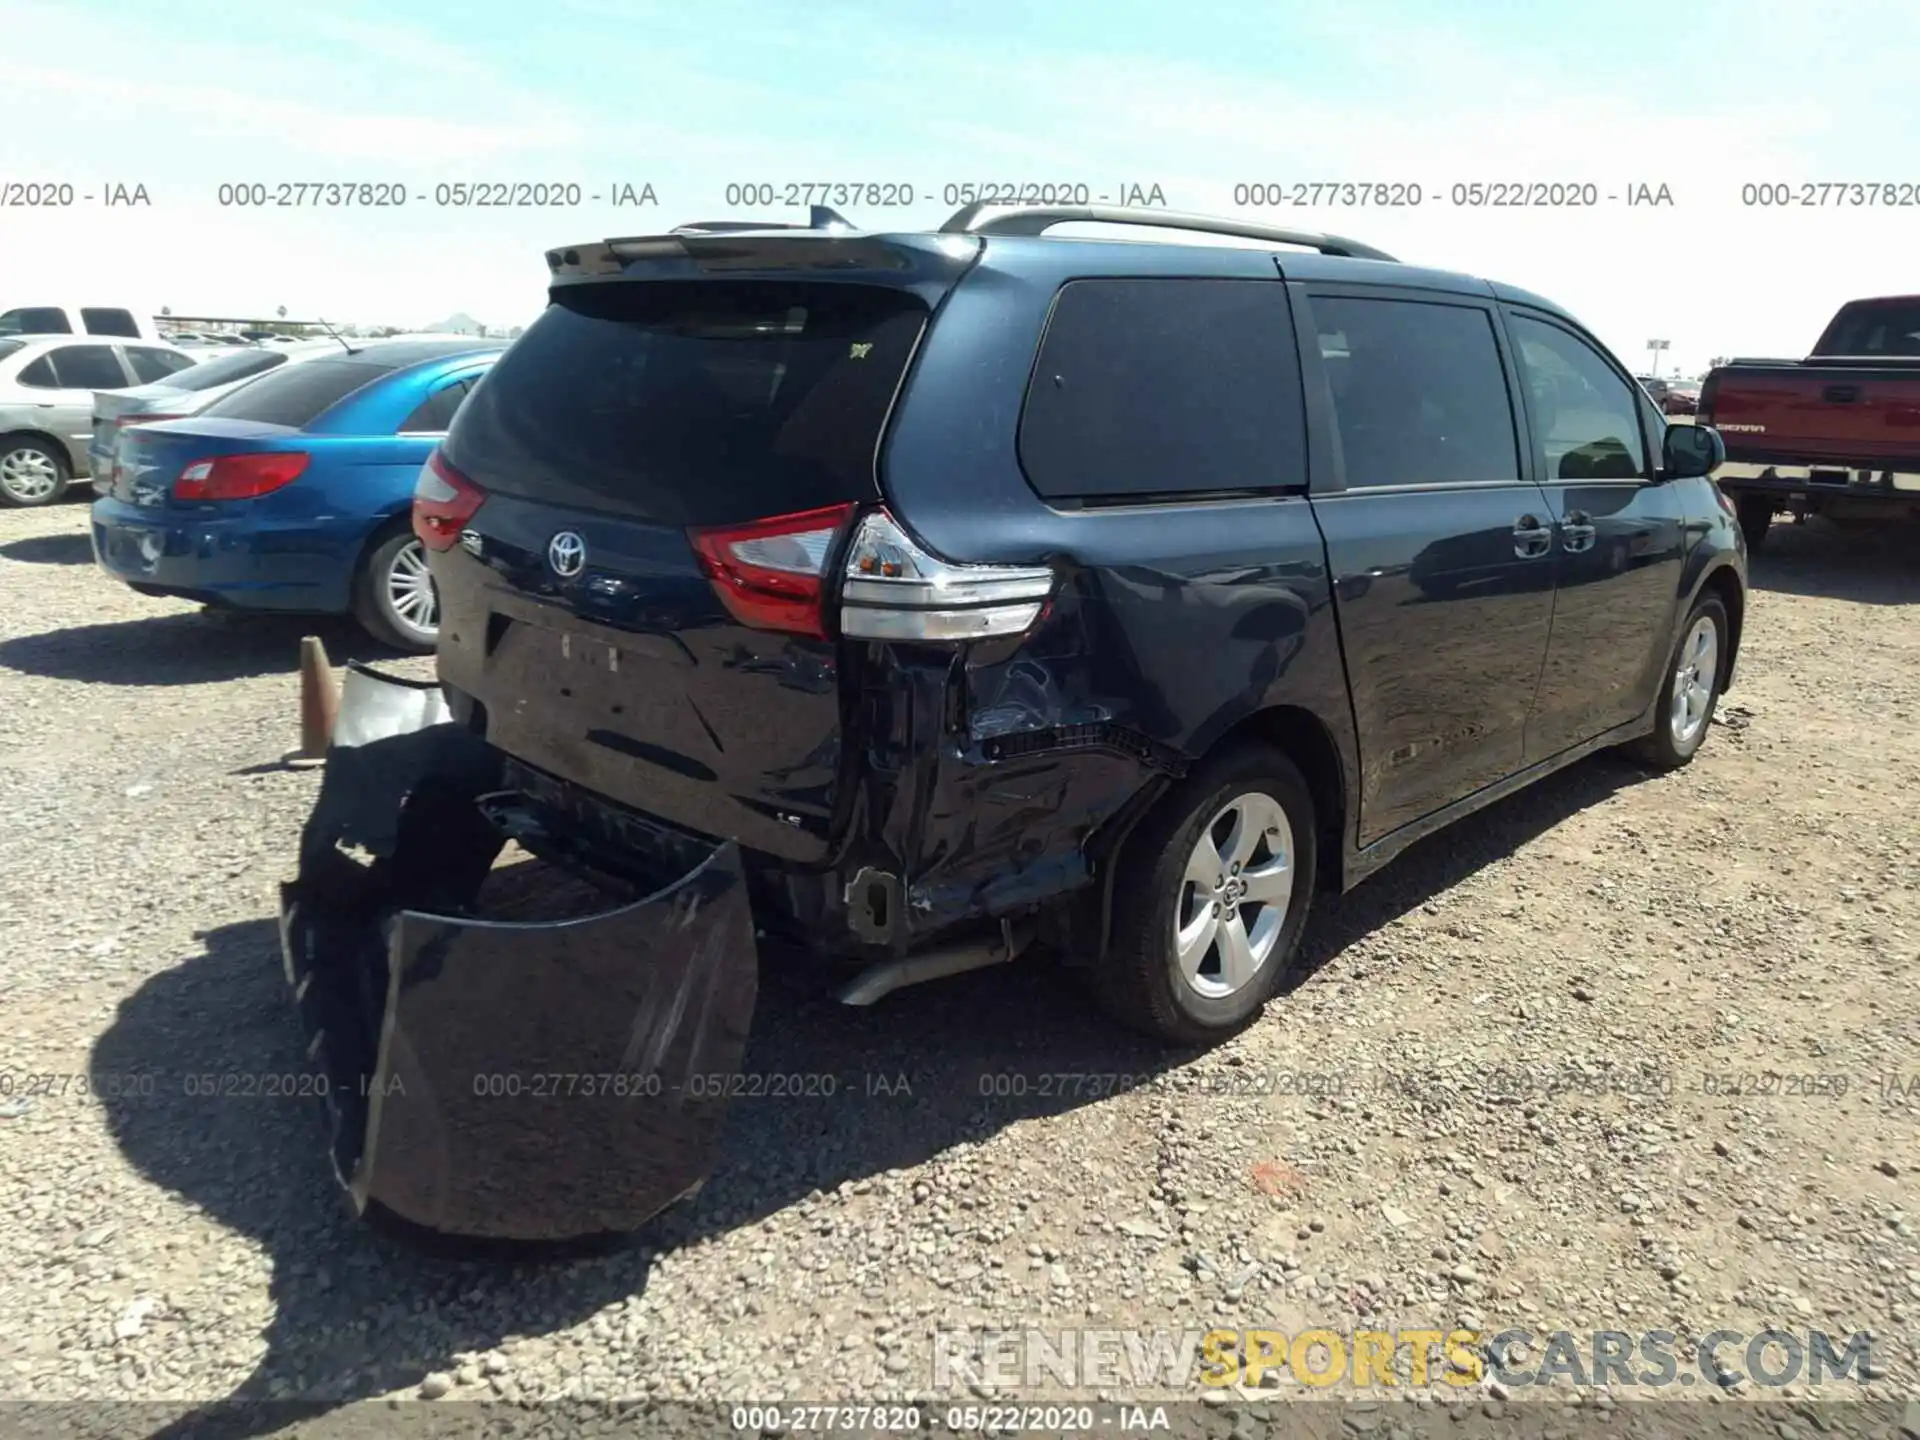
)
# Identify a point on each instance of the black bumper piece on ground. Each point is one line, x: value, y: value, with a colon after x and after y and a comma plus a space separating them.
x: 494, y: 1072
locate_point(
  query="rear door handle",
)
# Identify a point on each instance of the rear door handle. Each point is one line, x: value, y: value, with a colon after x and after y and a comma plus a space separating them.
x: 1531, y: 539
x: 1576, y: 532
x: 1840, y: 394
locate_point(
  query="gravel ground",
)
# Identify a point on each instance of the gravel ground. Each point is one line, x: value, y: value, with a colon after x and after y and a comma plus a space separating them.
x: 1521, y: 1084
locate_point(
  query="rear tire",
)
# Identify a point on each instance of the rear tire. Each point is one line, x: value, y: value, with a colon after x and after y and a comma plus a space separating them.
x: 1756, y: 518
x: 1693, y: 677
x: 394, y: 598
x: 32, y: 474
x: 1248, y: 815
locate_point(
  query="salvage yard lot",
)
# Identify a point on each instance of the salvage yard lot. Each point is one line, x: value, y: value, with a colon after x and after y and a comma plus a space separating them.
x: 1530, y: 1049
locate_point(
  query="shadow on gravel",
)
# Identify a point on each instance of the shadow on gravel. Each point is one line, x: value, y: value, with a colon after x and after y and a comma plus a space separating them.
x: 1443, y: 860
x: 356, y: 1315
x: 190, y: 648
x: 50, y: 550
x: 1871, y: 566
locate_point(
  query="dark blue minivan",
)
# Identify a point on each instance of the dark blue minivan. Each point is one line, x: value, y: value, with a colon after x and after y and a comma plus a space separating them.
x: 1126, y: 589
x: 921, y: 596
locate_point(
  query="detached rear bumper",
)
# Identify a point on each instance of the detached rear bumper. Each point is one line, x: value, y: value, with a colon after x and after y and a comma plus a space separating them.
x: 500, y: 1065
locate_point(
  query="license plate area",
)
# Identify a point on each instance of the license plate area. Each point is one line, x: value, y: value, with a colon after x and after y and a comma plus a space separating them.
x: 585, y: 651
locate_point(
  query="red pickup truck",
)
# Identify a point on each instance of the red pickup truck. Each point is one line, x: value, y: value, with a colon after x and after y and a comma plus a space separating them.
x: 1836, y: 434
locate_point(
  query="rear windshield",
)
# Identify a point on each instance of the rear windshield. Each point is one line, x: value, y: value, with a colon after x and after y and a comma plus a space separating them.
x: 694, y: 403
x: 1880, y: 328
x: 296, y: 395
x: 35, y: 320
x: 228, y: 368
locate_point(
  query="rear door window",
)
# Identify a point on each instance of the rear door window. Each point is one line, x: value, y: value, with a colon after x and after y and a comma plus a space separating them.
x: 296, y: 395
x: 1160, y: 387
x: 698, y: 403
x: 88, y: 367
x: 110, y: 322
x: 1419, y: 392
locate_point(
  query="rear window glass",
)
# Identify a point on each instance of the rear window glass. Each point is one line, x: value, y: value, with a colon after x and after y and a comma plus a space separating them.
x: 110, y: 322
x: 35, y: 320
x: 1156, y: 387
x: 296, y: 395
x: 227, y: 368
x: 694, y: 403
x: 1883, y: 329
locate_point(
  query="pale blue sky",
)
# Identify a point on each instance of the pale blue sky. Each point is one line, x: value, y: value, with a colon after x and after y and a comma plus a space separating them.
x: 1192, y: 96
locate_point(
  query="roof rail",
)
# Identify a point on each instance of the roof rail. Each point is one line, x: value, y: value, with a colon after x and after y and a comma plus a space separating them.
x: 1038, y: 219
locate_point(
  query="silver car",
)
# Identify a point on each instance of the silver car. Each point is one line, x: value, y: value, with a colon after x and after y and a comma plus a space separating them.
x: 47, y: 385
x: 187, y: 392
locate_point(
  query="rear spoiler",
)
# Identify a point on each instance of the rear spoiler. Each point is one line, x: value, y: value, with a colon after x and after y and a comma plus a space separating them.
x: 826, y: 242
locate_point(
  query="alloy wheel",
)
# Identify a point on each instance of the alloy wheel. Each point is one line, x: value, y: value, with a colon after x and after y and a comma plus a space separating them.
x: 410, y: 593
x: 1234, y: 895
x: 28, y: 475
x: 1693, y: 680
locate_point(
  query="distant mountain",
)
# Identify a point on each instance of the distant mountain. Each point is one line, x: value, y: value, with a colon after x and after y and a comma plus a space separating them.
x: 459, y: 323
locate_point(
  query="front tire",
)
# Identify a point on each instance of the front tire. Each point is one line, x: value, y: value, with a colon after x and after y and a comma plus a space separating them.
x: 32, y: 474
x: 395, y: 600
x: 1210, y: 898
x: 1685, y: 710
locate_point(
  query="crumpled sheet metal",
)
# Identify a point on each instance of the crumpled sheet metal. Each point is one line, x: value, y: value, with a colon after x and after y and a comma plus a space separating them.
x: 501, y: 1079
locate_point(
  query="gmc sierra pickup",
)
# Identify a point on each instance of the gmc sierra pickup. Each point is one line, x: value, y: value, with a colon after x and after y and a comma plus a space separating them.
x: 1836, y: 434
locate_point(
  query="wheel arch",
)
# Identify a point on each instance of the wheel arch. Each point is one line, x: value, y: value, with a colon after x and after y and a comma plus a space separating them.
x: 1723, y: 583
x: 1308, y: 741
x: 384, y: 528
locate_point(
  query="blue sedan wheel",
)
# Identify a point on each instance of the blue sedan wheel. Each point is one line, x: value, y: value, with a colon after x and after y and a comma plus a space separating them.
x: 397, y: 602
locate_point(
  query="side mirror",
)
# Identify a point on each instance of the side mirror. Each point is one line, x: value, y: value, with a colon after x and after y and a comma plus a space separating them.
x: 1690, y: 450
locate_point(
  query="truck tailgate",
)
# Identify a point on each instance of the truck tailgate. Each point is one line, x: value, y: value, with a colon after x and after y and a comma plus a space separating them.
x: 1847, y: 416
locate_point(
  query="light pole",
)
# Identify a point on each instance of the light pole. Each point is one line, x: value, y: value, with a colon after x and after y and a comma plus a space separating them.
x: 1656, y: 346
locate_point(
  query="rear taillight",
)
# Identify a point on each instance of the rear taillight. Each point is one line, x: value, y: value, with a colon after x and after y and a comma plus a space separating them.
x: 771, y: 574
x: 444, y: 500
x: 1703, y: 404
x: 894, y: 590
x: 240, y: 477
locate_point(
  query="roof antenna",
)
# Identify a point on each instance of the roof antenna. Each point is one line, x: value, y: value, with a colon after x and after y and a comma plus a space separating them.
x: 819, y: 217
x: 336, y: 335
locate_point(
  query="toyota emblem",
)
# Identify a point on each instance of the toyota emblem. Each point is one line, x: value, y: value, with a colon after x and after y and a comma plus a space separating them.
x: 567, y: 554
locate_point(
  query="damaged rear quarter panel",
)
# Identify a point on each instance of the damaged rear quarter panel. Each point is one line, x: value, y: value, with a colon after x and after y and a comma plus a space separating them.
x: 1174, y: 624
x: 1041, y: 746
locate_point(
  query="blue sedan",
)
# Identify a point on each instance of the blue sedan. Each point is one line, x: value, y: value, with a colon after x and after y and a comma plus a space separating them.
x: 295, y: 491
